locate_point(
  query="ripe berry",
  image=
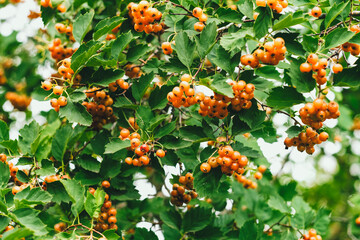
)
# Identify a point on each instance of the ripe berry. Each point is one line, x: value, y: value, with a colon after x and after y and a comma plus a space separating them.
x: 337, y: 68
x: 205, y: 167
x: 145, y: 148
x: 3, y: 157
x: 261, y: 3
x: 58, y: 90
x: 186, y: 78
x: 105, y: 184
x: 112, y: 212
x: 316, y: 12
x: 62, y: 101
x: 197, y: 12
x: 323, y: 136
x: 312, y: 58
x: 305, y: 67
x: 125, y: 133
x: 112, y: 220
x: 160, y: 153
x: 357, y: 221
x: 54, y: 103
x: 262, y: 168
x: 258, y: 175
x: 46, y: 85
x: 203, y: 18
x: 199, y: 26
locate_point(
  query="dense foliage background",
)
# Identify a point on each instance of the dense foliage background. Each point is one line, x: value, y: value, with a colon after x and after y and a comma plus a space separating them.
x: 189, y: 119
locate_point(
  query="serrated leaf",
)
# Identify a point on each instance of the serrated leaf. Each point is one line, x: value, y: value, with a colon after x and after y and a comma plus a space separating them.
x: 137, y: 51
x: 4, y: 222
x: 285, y: 97
x: 17, y: 234
x: 4, y: 175
x: 89, y: 163
x: 334, y: 11
x: 287, y: 21
x: 236, y: 41
x: 196, y: 219
x: 172, y: 142
x: 140, y: 85
x: 4, y: 131
x: 156, y: 121
x: 206, y: 39
x: 262, y: 22
x: 77, y: 194
x: 277, y: 203
x: 184, y: 48
x: 338, y: 37
x: 104, y: 77
x: 76, y: 113
x: 82, y: 25
x: 120, y: 44
x: 304, y: 82
x: 33, y: 196
x: 60, y: 141
x: 158, y: 97
x: 94, y: 202
x: 228, y: 15
x: 348, y: 77
x: 218, y: 84
x: 165, y: 130
x: 171, y: 218
x: 194, y: 133
x: 29, y: 218
x: 84, y: 53
x: 106, y: 25
x: 116, y: 145
x: 246, y: 7
x: 207, y: 184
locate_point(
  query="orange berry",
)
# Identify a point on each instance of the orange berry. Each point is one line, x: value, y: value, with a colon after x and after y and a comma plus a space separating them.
x: 160, y: 153
x: 323, y: 136
x: 205, y: 167
x: 46, y: 85
x: 262, y: 168
x: 203, y: 18
x: 312, y: 58
x: 199, y: 26
x: 337, y: 68
x: 105, y: 184
x: 258, y: 175
x: 316, y: 12
x: 305, y: 67
x: 62, y: 101
x: 357, y: 221
x: 58, y: 90
x: 261, y: 3
x: 197, y: 12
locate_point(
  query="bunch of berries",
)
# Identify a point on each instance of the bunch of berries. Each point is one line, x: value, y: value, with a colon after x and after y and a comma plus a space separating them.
x: 59, y: 52
x: 311, y: 235
x: 353, y: 48
x: 107, y: 219
x: 315, y: 113
x: 47, y: 3
x: 184, y: 94
x: 99, y: 106
x: 132, y: 71
x: 56, y: 103
x: 214, y: 106
x: 243, y: 94
x: 306, y: 141
x: 66, y: 72
x: 145, y: 18
x: 19, y: 101
x: 68, y: 30
x: 141, y: 150
x: 199, y: 14
x: 276, y: 5
x: 247, y: 182
x: 19, y: 186
x: 120, y: 83
x: 184, y: 191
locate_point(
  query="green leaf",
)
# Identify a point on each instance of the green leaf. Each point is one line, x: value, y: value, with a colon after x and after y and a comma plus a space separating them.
x: 246, y: 7
x: 4, y: 222
x: 77, y: 96
x: 248, y: 231
x: 94, y: 202
x: 289, y: 234
x: 106, y: 25
x: 284, y: 97
x: 120, y: 44
x: 335, y: 10
x: 262, y: 22
x: 76, y: 113
x: 207, y: 184
x: 172, y: 142
x: 140, y: 85
x: 287, y: 21
x: 29, y: 218
x: 137, y: 51
x: 4, y: 175
x: 82, y: 25
x: 221, y: 58
x: 76, y: 193
x: 196, y: 219
x: 268, y: 72
x: 28, y: 134
x: 338, y: 37
x: 236, y: 41
x: 156, y: 121
x: 253, y: 117
x: 206, y: 40
x: 158, y: 97
x: 218, y: 85
x: 60, y: 141
x: 124, y: 102
x: 322, y: 221
x: 116, y: 145
x: 277, y: 203
x: 194, y: 133
x: 17, y: 233
x: 165, y: 130
x: 355, y: 39
x: 310, y: 43
x: 104, y: 77
x: 229, y: 15
x: 89, y: 163
x: 110, y: 234
x: 4, y: 131
x: 47, y: 168
x: 171, y: 218
x: 293, y: 131
x: 347, y: 78
x: 303, y: 215
x: 85, y: 52
x: 184, y: 48
x: 304, y: 82
x: 266, y: 132
x: 11, y: 145
x: 33, y: 196
x: 47, y: 14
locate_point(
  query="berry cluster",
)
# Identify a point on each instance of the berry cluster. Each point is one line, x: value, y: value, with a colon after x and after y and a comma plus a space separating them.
x: 248, y: 183
x: 99, y: 106
x: 214, y: 106
x: 144, y: 16
x: 315, y: 113
x: 276, y: 5
x: 141, y: 150
x: 47, y: 3
x: 199, y: 14
x: 318, y: 66
x: 306, y: 141
x: 311, y: 235
x: 353, y: 48
x: 184, y: 94
x: 132, y: 71
x: 272, y: 54
x: 19, y: 101
x: 184, y: 191
x: 59, y: 52
x: 120, y: 83
x: 56, y: 103
x: 68, y: 30
x: 316, y: 12
x: 243, y: 94
x: 107, y: 219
